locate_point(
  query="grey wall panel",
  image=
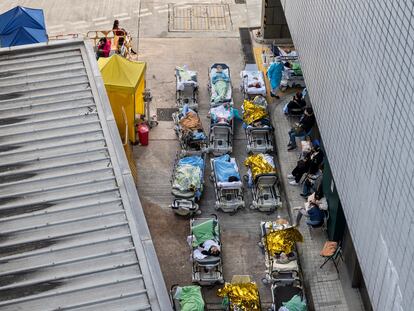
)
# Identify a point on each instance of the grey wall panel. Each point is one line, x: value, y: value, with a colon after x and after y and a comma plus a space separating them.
x: 357, y: 61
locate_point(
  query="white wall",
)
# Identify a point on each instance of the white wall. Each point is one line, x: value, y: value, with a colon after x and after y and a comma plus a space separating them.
x: 358, y: 63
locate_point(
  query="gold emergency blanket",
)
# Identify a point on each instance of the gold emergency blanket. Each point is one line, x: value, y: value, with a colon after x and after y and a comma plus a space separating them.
x: 243, y: 295
x: 191, y: 121
x: 284, y: 240
x: 258, y: 165
x: 252, y: 112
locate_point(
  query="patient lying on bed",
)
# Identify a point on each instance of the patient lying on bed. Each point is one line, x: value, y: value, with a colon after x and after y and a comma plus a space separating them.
x: 219, y: 75
x: 220, y: 81
x: 208, y: 248
x: 255, y: 83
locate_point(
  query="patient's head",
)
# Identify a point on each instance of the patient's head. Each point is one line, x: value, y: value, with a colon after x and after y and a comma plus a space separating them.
x: 298, y: 95
x: 309, y: 111
x: 214, y: 250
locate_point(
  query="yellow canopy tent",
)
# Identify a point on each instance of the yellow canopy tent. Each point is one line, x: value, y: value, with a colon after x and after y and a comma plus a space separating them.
x: 124, y: 82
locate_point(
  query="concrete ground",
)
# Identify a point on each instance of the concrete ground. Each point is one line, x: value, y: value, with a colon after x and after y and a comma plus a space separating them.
x: 148, y: 18
x: 240, y: 232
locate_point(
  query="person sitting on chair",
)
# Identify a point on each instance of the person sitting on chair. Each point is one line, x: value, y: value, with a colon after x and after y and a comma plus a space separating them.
x: 294, y: 105
x: 310, y: 164
x: 103, y: 48
x: 306, y: 122
x: 313, y: 182
x: 313, y: 209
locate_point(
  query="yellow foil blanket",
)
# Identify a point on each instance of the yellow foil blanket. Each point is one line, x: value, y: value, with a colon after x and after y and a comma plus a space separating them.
x: 244, y: 295
x: 284, y: 240
x: 258, y: 165
x: 252, y: 112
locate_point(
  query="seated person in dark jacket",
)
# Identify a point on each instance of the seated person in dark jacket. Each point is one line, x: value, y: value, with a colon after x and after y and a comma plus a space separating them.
x: 296, y: 105
x: 306, y: 122
x: 310, y: 164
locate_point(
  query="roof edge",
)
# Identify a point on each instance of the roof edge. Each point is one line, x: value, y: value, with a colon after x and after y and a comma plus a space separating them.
x: 155, y: 284
x: 4, y: 50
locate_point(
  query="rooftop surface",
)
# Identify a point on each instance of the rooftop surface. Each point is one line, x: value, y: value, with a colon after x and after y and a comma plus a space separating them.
x: 72, y: 231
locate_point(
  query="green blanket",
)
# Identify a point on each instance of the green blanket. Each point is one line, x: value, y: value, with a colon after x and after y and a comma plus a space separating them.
x: 208, y: 230
x: 295, y: 304
x: 296, y: 69
x: 220, y: 88
x: 187, y: 178
x: 190, y: 298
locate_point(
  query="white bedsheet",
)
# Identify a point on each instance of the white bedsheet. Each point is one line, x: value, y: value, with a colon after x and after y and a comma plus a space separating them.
x: 252, y: 77
x: 185, y: 78
x: 230, y: 185
x: 290, y: 266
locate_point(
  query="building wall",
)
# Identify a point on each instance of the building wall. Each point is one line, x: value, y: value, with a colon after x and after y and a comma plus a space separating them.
x: 274, y: 25
x: 357, y: 61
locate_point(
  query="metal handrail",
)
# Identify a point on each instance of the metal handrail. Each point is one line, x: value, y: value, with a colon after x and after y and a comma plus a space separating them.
x: 124, y: 116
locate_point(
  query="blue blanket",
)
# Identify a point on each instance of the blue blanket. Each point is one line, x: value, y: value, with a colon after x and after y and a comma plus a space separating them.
x: 185, y: 176
x: 225, y: 169
x: 194, y: 161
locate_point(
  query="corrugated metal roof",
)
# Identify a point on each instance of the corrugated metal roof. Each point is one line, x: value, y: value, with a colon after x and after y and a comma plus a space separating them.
x: 72, y: 231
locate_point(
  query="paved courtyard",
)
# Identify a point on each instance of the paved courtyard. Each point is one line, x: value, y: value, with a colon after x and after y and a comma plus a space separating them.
x: 240, y: 232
